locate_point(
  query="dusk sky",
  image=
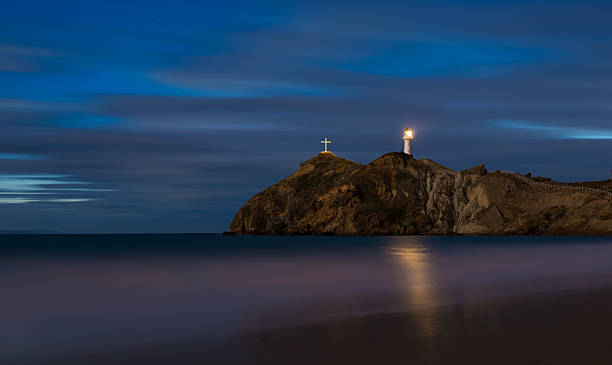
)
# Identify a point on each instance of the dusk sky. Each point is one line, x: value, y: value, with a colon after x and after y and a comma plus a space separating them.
x: 166, y: 116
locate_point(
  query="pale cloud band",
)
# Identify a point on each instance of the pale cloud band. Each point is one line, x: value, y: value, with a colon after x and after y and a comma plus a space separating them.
x: 27, y: 200
x: 20, y: 156
x: 554, y: 132
x: 32, y: 184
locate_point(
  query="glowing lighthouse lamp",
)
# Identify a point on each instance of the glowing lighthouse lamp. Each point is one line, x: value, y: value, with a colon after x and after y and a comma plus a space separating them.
x: 408, y: 137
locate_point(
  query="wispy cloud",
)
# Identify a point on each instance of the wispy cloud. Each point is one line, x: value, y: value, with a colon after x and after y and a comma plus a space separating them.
x: 20, y: 58
x: 16, y: 200
x: 434, y: 58
x: 554, y: 132
x: 37, y: 106
x: 20, y: 156
x: 210, y: 85
x: 21, y: 50
x: 27, y: 200
x: 32, y: 184
x: 69, y: 200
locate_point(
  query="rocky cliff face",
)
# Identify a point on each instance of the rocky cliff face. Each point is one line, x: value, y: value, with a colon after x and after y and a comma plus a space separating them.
x: 396, y: 194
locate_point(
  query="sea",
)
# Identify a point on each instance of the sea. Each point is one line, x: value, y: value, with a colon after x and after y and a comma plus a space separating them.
x: 213, y: 299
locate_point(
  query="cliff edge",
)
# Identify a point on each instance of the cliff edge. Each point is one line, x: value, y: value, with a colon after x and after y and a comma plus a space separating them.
x: 396, y: 194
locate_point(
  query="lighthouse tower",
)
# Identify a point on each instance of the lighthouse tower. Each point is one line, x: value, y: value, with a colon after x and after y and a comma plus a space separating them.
x: 408, y: 137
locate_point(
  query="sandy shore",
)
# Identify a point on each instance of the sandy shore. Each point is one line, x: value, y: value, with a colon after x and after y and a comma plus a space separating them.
x: 553, y: 328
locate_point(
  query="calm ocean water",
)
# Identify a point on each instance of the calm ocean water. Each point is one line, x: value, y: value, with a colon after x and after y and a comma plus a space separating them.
x: 65, y: 296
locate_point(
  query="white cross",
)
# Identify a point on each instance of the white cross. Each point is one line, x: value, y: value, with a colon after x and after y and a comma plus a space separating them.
x: 326, y: 142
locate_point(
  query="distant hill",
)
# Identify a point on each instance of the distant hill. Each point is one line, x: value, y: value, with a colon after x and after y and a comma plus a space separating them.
x: 396, y: 194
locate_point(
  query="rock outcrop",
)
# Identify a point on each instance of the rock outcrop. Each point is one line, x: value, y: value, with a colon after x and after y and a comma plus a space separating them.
x: 396, y: 194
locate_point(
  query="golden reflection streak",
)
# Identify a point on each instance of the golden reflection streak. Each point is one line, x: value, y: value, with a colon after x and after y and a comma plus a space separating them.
x: 419, y: 290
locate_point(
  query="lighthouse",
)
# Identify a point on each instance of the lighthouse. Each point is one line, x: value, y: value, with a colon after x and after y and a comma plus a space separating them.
x: 408, y: 137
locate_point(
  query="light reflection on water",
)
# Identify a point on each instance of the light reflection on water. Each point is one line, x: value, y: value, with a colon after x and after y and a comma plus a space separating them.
x: 418, y: 287
x: 64, y: 294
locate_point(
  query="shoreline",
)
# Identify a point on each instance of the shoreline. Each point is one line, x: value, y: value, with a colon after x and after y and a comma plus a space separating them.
x: 545, y: 328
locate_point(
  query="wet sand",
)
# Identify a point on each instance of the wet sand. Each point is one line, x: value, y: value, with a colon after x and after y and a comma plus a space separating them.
x: 540, y: 329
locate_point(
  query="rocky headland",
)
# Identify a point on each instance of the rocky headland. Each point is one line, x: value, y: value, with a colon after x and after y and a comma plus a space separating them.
x: 396, y: 194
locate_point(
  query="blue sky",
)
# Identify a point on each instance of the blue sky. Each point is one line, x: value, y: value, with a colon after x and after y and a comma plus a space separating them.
x: 167, y: 116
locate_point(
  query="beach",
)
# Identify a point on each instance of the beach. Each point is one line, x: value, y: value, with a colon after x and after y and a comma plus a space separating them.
x: 211, y: 299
